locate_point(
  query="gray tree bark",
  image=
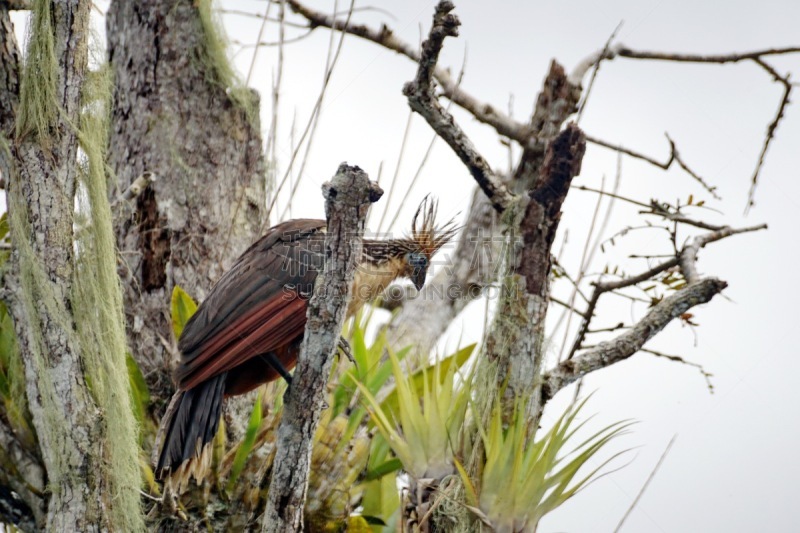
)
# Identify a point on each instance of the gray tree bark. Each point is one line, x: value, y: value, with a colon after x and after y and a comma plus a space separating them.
x: 41, y: 170
x: 178, y: 114
x: 347, y: 199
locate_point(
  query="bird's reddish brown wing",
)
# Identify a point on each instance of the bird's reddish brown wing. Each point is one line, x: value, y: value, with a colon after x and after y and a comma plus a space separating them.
x: 258, y: 306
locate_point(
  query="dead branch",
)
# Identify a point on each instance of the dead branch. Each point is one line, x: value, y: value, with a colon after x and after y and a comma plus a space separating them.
x: 685, y: 260
x: 661, y: 211
x: 688, y: 255
x: 602, y: 287
x: 787, y: 90
x: 756, y: 57
x: 625, y: 345
x: 678, y: 359
x: 674, y: 157
x: 347, y: 199
x: 422, y: 100
x: 502, y: 123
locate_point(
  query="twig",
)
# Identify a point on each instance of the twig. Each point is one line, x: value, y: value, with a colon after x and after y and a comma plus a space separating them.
x: 623, y: 51
x: 678, y: 359
x: 309, y: 127
x: 348, y: 197
x: 646, y: 483
x: 262, y: 44
x: 421, y: 98
x: 329, y: 66
x: 503, y: 124
x: 659, y: 210
x: 576, y: 76
x: 674, y: 157
x: 625, y: 345
x: 688, y: 255
x: 611, y: 195
x: 241, y: 13
x: 258, y: 41
x: 608, y: 286
x: 787, y: 90
x: 387, y: 204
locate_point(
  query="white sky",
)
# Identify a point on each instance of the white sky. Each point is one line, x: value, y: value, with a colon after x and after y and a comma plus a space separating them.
x: 734, y: 466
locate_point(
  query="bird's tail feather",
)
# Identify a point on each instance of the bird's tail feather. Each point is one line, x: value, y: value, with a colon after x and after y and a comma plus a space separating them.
x: 190, y: 423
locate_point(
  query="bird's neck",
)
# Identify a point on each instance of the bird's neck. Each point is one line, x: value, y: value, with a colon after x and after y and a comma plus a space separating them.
x: 371, y: 279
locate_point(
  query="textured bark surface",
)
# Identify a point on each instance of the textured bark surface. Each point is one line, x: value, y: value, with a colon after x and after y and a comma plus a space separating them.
x: 347, y: 199
x: 175, y: 116
x: 41, y: 187
x: 514, y: 343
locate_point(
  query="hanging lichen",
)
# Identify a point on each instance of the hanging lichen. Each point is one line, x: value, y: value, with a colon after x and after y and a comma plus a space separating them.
x: 98, y: 307
x: 92, y: 322
x: 38, y: 103
x: 214, y: 55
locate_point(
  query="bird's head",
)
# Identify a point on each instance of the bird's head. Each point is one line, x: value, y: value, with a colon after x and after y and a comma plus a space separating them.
x: 411, y: 256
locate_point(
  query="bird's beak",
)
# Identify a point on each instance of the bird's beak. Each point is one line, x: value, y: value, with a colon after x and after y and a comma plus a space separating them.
x: 418, y: 277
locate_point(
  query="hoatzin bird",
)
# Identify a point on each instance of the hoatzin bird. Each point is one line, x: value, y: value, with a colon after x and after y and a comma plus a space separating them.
x: 249, y: 329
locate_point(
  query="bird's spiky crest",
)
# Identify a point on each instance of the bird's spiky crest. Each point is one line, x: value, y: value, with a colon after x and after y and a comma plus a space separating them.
x: 427, y: 236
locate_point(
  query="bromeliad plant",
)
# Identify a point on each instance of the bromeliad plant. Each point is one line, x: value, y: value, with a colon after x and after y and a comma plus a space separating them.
x: 524, y: 479
x: 421, y: 422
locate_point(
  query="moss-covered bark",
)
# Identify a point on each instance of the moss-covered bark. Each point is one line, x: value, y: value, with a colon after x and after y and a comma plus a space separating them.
x: 76, y: 383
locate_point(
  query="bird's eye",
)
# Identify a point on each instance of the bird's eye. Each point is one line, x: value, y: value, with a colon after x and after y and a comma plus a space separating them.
x: 417, y: 260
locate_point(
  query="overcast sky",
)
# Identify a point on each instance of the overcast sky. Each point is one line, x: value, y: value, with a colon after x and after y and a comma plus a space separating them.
x: 734, y: 465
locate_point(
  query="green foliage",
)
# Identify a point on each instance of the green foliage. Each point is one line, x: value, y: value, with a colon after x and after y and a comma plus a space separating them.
x: 380, y: 499
x: 523, y: 479
x: 246, y: 446
x: 421, y: 376
x: 183, y: 307
x: 371, y: 370
x: 429, y: 419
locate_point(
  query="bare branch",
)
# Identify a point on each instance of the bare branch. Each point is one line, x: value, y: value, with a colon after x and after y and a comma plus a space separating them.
x: 623, y: 51
x: 674, y: 157
x: 423, y: 101
x: 678, y: 359
x: 787, y: 90
x: 608, y: 286
x: 755, y: 56
x: 688, y: 256
x: 685, y: 260
x: 625, y: 345
x: 502, y: 123
x: 347, y: 199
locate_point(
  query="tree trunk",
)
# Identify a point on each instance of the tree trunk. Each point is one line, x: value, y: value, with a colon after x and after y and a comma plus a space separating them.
x: 83, y: 443
x: 178, y: 113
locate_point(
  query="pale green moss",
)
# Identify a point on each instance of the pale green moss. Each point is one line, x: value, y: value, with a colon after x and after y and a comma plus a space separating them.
x: 214, y: 56
x: 38, y: 105
x: 94, y: 323
x: 97, y: 301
